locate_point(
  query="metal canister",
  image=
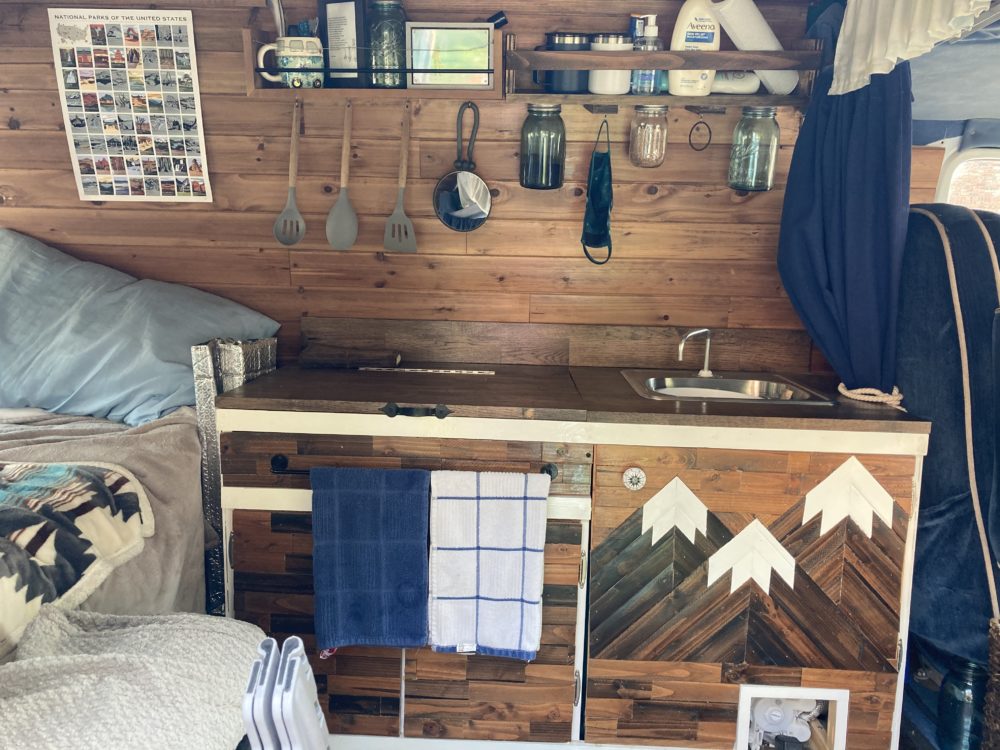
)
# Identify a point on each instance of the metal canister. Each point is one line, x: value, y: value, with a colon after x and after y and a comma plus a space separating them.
x: 613, y: 82
x: 565, y: 81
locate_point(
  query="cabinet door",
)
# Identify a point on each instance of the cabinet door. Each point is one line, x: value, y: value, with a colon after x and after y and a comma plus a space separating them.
x: 359, y: 688
x: 446, y: 695
x: 487, y: 698
x: 732, y: 567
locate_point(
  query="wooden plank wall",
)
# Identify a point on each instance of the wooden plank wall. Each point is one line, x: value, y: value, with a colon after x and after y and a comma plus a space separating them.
x: 688, y: 251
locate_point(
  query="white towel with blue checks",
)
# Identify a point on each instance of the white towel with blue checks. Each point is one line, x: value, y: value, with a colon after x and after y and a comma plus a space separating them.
x: 487, y: 562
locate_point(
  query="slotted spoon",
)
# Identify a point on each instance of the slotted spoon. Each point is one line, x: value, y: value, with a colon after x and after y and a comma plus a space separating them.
x: 342, y: 222
x: 399, y: 235
x: 290, y: 227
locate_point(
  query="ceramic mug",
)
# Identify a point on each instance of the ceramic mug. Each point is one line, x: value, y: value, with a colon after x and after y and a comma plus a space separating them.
x: 304, y: 53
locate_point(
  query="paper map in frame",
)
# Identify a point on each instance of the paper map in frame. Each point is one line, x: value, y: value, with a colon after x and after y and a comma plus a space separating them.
x: 128, y: 82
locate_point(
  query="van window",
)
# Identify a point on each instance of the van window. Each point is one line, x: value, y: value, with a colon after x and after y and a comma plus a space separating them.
x: 972, y: 180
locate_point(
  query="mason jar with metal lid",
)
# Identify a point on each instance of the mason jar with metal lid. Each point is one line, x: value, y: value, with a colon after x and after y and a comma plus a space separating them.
x: 610, y: 82
x: 543, y: 147
x: 563, y: 81
x: 647, y: 144
x: 755, y: 150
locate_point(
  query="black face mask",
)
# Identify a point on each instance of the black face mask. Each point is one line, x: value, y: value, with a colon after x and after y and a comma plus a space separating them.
x: 600, y: 198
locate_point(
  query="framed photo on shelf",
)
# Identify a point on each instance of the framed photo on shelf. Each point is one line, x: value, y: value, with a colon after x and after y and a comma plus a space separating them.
x: 444, y: 47
x: 343, y: 31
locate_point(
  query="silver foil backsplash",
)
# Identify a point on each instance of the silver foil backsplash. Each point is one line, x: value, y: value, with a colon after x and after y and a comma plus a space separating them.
x: 219, y: 366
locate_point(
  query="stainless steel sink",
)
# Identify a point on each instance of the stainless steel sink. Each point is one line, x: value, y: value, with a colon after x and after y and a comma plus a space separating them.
x: 742, y: 387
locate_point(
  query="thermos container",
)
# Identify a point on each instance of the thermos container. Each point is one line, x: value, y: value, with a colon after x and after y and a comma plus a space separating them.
x: 564, y: 81
x: 610, y: 82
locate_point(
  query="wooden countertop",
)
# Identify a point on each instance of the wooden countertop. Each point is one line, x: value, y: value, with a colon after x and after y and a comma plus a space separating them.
x: 577, y: 394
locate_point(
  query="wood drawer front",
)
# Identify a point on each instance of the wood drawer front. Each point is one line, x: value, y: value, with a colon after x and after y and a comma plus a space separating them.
x: 447, y: 695
x: 668, y: 649
x: 246, y: 457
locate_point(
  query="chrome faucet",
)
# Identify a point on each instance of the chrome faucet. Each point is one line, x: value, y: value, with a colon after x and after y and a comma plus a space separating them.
x: 705, y: 371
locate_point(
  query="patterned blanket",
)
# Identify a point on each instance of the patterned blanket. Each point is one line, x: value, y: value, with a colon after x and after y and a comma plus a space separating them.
x: 63, y: 529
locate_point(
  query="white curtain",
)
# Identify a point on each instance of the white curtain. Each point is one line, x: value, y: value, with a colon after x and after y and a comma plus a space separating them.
x: 877, y: 34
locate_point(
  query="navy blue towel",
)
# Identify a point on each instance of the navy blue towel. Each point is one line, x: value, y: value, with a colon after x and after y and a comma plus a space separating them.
x: 370, y: 556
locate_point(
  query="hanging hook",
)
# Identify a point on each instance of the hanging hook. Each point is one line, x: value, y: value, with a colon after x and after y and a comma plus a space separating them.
x: 464, y: 162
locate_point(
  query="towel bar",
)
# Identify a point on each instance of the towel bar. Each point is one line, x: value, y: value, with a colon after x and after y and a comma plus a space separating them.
x: 279, y: 465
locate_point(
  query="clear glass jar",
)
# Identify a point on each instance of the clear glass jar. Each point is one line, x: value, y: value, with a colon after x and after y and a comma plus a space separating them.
x: 543, y: 147
x: 755, y: 150
x: 647, y: 145
x: 387, y: 43
x: 960, y: 707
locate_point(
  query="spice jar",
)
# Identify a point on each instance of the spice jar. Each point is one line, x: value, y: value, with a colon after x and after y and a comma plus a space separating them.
x: 755, y: 150
x: 543, y: 147
x: 648, y: 135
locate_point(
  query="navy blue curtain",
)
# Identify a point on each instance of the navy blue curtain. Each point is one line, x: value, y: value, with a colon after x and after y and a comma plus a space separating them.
x: 844, y: 223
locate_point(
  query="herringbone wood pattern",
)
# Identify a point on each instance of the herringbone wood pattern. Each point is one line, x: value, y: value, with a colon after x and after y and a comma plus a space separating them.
x: 667, y: 650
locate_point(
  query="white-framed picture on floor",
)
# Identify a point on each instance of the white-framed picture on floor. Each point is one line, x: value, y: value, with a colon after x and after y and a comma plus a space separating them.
x: 778, y: 717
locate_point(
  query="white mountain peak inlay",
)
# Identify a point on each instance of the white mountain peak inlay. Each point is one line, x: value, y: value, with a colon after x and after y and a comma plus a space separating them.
x: 675, y: 506
x: 753, y: 553
x: 849, y: 492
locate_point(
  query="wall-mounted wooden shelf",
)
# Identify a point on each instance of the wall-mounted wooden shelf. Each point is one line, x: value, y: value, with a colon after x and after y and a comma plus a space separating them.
x: 258, y: 88
x: 374, y: 95
x: 628, y: 100
x: 513, y: 61
x: 806, y: 59
x: 526, y: 61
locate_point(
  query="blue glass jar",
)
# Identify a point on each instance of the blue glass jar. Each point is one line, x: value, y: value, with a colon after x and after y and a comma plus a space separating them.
x: 960, y: 707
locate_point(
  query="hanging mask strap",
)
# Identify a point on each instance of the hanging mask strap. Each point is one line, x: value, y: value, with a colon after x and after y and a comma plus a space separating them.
x: 594, y: 260
x: 606, y: 129
x: 464, y: 162
x: 699, y: 125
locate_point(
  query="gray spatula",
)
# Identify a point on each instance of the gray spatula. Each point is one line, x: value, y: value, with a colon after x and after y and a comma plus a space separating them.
x: 290, y: 227
x: 399, y: 235
x: 342, y: 222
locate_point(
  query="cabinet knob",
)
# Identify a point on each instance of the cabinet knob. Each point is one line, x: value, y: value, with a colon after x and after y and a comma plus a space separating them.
x: 634, y: 478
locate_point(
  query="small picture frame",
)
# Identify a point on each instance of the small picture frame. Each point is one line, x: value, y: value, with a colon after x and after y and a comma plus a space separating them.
x: 343, y: 33
x: 434, y: 46
x: 815, y: 717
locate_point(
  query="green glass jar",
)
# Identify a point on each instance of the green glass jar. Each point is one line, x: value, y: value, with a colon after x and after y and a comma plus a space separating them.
x: 543, y: 147
x: 756, y: 140
x: 387, y: 42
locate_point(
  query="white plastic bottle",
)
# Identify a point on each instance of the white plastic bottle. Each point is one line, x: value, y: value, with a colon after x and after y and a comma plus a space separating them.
x: 697, y: 29
x: 645, y: 82
x: 735, y: 82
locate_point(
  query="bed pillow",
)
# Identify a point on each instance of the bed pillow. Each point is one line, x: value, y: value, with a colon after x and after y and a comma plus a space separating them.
x: 63, y: 529
x: 81, y: 338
